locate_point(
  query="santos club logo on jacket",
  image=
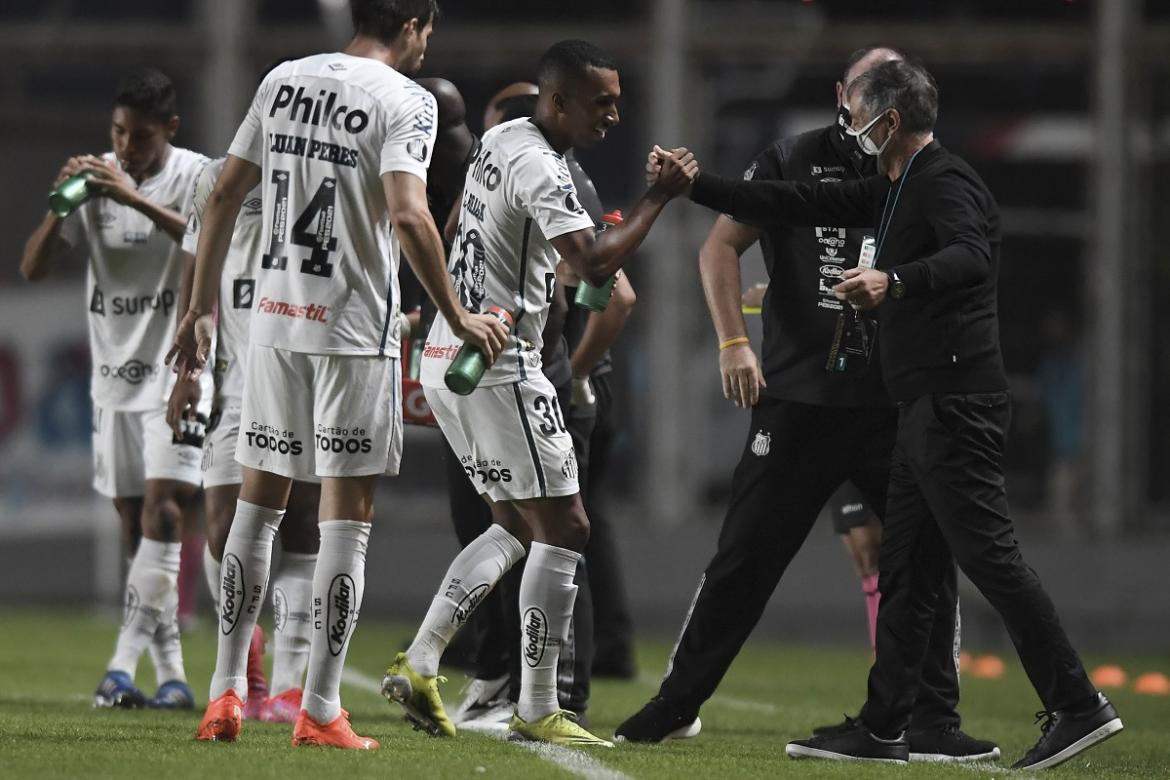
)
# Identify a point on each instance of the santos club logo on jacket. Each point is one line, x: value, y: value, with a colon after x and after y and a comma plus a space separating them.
x: 762, y: 444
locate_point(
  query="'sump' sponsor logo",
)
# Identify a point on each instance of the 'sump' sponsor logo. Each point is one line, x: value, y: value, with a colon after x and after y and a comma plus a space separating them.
x: 468, y: 603
x: 133, y: 372
x: 231, y: 593
x: 535, y: 627
x: 340, y: 619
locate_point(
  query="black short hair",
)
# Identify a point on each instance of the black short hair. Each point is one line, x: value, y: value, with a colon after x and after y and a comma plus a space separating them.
x: 150, y: 91
x: 383, y: 19
x: 906, y: 86
x: 516, y: 106
x: 570, y: 59
x: 859, y: 54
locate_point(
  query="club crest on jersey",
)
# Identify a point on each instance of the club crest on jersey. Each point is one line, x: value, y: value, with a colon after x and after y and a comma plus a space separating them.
x: 762, y: 444
x: 417, y: 148
x: 750, y: 173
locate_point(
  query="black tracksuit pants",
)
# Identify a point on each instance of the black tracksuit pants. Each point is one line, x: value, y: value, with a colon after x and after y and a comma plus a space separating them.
x: 795, y: 457
x: 947, y: 504
x: 613, y: 628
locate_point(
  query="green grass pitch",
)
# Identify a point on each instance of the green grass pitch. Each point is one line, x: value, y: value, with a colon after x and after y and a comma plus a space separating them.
x: 51, y: 661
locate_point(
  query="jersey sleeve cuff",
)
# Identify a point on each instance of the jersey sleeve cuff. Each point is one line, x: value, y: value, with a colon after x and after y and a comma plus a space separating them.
x: 245, y: 153
x: 403, y: 167
x: 564, y: 228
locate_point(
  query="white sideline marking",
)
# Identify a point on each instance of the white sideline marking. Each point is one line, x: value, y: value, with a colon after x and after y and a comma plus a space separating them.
x: 358, y: 680
x: 572, y: 761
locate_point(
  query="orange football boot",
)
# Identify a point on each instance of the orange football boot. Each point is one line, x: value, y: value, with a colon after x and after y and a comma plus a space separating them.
x: 221, y: 721
x: 338, y: 733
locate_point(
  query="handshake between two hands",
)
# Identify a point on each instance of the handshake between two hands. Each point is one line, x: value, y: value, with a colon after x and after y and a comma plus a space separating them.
x: 671, y: 172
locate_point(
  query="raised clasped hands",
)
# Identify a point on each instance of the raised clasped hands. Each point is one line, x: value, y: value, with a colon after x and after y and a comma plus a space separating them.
x: 671, y: 172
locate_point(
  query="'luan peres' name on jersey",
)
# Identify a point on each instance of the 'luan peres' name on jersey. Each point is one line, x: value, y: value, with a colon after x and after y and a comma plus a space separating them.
x: 310, y: 148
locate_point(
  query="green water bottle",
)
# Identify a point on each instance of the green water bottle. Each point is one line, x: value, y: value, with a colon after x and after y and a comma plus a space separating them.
x: 469, y: 364
x: 597, y: 298
x: 70, y: 194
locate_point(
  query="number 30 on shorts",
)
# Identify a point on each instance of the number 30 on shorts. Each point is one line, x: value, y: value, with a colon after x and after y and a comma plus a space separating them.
x: 550, y: 411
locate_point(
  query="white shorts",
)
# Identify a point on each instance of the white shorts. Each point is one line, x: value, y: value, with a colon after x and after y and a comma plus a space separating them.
x: 132, y: 447
x: 320, y: 415
x: 510, y: 439
x: 220, y: 466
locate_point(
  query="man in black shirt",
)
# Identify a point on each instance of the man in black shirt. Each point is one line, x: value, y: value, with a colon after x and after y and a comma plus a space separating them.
x: 934, y: 293
x: 812, y: 429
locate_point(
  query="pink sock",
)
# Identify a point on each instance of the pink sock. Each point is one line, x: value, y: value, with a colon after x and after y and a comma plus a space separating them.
x: 873, y: 597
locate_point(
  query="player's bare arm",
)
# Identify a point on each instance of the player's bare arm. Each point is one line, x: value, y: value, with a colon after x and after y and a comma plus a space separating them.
x: 406, y: 197
x: 602, y: 328
x: 739, y: 368
x: 46, y: 245
x: 186, y: 393
x: 117, y: 185
x: 193, y: 336
x: 595, y: 257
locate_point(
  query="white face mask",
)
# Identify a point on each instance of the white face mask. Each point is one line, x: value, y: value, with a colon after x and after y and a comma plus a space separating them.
x: 864, y: 141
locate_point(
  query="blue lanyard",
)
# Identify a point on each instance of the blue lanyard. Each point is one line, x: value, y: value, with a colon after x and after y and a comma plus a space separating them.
x: 884, y: 225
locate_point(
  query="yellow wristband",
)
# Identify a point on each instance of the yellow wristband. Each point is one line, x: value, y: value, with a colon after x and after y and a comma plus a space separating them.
x: 733, y: 342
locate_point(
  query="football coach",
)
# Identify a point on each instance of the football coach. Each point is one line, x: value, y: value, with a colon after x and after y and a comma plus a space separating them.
x: 933, y: 291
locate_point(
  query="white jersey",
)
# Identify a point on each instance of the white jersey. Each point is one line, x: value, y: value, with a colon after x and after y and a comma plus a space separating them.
x: 237, y: 284
x: 324, y: 129
x: 517, y: 197
x: 132, y: 286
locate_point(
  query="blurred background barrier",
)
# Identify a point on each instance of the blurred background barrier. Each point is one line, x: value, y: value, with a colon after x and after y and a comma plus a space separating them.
x: 1060, y: 105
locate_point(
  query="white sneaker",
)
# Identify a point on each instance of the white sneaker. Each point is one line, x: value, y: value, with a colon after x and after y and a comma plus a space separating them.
x: 478, y: 697
x: 493, y: 720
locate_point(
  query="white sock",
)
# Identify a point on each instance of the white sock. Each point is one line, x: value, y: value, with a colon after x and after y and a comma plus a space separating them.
x: 338, y: 583
x: 166, y: 647
x: 292, y: 597
x: 547, y: 594
x: 246, y: 558
x: 211, y: 574
x: 474, y: 572
x: 153, y: 580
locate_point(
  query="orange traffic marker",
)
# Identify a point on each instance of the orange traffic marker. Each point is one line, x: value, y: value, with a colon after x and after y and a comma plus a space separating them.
x: 1153, y: 683
x: 964, y: 662
x: 987, y: 667
x: 1109, y: 676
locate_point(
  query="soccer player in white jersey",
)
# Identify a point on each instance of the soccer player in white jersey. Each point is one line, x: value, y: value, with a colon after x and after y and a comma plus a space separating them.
x: 520, y: 215
x: 340, y: 143
x: 292, y: 584
x: 131, y: 232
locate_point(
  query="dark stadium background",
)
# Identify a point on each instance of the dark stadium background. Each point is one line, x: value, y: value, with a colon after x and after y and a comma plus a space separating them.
x: 1077, y: 158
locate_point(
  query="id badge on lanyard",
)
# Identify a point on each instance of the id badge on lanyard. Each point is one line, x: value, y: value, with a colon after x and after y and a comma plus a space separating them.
x: 856, y: 333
